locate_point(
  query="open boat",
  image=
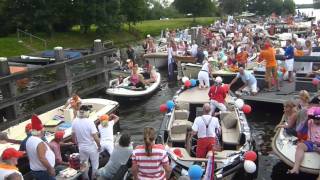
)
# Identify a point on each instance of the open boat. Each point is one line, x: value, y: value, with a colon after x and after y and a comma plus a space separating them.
x: 124, y: 90
x: 57, y: 119
x: 284, y: 146
x: 175, y: 134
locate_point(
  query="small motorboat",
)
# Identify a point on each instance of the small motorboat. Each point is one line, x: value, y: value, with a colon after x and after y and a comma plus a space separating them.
x: 123, y: 89
x: 175, y: 133
x: 284, y: 146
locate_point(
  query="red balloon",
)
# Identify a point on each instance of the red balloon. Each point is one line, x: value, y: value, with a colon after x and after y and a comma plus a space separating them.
x: 187, y: 84
x: 226, y: 87
x: 163, y: 108
x: 315, y: 81
x: 250, y: 155
x: 246, y: 109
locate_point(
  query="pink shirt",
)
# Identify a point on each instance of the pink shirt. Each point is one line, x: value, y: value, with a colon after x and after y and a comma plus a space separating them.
x: 55, y: 147
x: 313, y: 131
x: 134, y: 79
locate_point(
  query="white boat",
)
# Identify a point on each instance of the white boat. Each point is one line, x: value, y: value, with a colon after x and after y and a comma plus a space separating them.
x: 175, y: 134
x: 157, y: 59
x: 57, y: 119
x: 284, y: 146
x: 124, y: 90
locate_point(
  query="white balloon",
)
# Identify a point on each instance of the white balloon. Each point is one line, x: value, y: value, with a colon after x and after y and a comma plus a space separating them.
x: 239, y: 103
x: 184, y: 79
x: 249, y: 166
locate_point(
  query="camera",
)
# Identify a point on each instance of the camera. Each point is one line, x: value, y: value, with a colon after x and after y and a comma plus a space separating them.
x: 85, y: 107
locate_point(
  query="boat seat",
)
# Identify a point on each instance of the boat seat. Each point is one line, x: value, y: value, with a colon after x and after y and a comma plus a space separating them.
x: 230, y: 129
x: 181, y: 114
x: 179, y: 130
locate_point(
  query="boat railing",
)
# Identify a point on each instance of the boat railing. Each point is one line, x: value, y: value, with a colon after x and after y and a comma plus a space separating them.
x: 40, y: 89
x: 21, y: 33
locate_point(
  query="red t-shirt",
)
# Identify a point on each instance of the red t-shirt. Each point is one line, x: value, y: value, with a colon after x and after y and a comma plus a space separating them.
x: 217, y: 93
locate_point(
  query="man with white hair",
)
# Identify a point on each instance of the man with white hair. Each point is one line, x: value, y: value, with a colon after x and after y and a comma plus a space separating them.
x: 250, y: 82
x: 41, y: 157
x: 217, y: 95
x: 85, y: 134
x: 205, y: 127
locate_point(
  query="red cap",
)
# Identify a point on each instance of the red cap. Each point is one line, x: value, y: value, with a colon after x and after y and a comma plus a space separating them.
x: 10, y: 153
x: 59, y: 135
x: 36, y: 123
x: 267, y: 45
x: 178, y: 153
x: 28, y: 127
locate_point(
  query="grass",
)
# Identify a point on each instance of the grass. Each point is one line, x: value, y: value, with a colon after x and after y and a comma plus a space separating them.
x: 9, y: 46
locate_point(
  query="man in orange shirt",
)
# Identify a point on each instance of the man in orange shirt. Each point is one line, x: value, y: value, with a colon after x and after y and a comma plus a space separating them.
x: 242, y: 57
x: 268, y: 54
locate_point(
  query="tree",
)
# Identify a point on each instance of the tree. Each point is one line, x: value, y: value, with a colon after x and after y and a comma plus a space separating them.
x: 289, y: 6
x: 195, y: 7
x: 107, y: 15
x: 133, y: 10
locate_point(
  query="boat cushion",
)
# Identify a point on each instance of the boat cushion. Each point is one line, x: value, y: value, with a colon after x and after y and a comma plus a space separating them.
x: 179, y: 130
x: 181, y: 114
x: 230, y: 136
x: 229, y: 119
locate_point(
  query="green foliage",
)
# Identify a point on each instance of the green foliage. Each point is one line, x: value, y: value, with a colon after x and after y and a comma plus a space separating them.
x: 195, y: 7
x: 289, y: 6
x: 266, y: 7
x: 133, y: 10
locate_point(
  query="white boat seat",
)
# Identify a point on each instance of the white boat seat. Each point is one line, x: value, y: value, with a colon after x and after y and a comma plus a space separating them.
x: 181, y: 114
x: 179, y: 130
x: 230, y: 129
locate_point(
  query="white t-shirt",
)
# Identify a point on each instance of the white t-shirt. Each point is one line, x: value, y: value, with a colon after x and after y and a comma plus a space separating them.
x: 247, y: 77
x: 31, y: 147
x: 83, y: 129
x: 194, y: 49
x: 205, y: 66
x: 6, y: 172
x: 106, y: 133
x: 200, y: 123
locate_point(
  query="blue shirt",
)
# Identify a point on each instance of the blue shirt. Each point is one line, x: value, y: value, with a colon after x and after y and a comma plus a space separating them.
x: 247, y: 77
x: 289, y: 52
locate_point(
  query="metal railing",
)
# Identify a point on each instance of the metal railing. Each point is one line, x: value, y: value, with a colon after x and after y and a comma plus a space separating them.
x: 31, y: 36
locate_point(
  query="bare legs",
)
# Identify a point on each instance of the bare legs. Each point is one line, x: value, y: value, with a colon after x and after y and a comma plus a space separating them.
x: 301, y: 149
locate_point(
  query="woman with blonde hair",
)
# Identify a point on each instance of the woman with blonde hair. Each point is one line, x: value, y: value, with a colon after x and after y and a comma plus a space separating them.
x: 289, y: 118
x: 150, y: 161
x: 136, y: 79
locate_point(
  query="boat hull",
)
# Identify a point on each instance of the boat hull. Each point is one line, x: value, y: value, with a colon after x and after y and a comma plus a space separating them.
x: 159, y: 60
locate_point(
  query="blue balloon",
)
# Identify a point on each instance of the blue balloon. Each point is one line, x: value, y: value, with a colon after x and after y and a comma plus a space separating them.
x: 195, y: 172
x: 193, y: 82
x: 170, y: 105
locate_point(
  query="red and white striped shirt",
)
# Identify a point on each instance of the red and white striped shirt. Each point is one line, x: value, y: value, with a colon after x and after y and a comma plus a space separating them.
x: 150, y: 167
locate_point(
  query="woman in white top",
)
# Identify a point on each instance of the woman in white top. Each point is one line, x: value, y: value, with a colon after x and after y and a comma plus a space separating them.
x: 106, y: 132
x: 203, y: 75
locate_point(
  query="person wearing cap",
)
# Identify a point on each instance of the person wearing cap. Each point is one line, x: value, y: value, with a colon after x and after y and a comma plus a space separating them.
x: 250, y: 82
x: 85, y: 135
x: 217, y: 95
x: 312, y: 144
x: 55, y: 145
x: 119, y: 157
x: 41, y: 157
x: 28, y: 130
x: 106, y: 131
x: 74, y: 102
x: 268, y: 55
x: 205, y: 127
x: 9, y: 160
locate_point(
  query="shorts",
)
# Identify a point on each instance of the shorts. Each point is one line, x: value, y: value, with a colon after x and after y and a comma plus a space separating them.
x: 251, y: 88
x: 310, y: 146
x: 204, y: 145
x: 271, y: 72
x: 203, y: 78
x: 289, y: 64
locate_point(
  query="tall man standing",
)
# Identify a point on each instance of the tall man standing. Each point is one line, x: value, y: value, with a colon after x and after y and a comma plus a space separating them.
x: 289, y: 55
x: 85, y: 134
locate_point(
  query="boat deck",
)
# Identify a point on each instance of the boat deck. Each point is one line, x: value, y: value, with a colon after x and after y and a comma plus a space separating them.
x: 287, y: 92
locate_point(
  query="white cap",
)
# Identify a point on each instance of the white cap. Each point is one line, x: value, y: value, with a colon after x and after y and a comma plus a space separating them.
x: 218, y: 79
x: 58, y: 48
x: 148, y: 35
x: 97, y: 40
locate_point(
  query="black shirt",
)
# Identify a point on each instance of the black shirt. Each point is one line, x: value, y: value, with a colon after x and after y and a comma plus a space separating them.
x: 131, y: 55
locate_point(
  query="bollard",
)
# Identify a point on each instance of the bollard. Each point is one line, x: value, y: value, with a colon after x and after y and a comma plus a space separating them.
x: 58, y: 53
x: 4, y: 67
x: 97, y: 45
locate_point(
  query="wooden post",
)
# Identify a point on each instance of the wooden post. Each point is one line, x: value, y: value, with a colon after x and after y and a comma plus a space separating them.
x: 97, y: 45
x: 58, y: 54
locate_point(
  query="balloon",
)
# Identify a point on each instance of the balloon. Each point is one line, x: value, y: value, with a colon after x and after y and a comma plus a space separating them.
x: 193, y: 82
x: 246, y: 109
x: 239, y: 103
x: 163, y: 108
x: 315, y: 81
x: 184, y: 79
x: 250, y: 155
x: 249, y: 166
x: 187, y: 84
x: 170, y: 105
x: 226, y: 87
x: 279, y: 74
x: 195, y: 172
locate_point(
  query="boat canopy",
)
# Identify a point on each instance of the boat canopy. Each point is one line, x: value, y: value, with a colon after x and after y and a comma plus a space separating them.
x: 67, y: 54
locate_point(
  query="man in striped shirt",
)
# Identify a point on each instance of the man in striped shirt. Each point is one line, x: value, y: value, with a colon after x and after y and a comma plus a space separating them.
x: 150, y: 161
